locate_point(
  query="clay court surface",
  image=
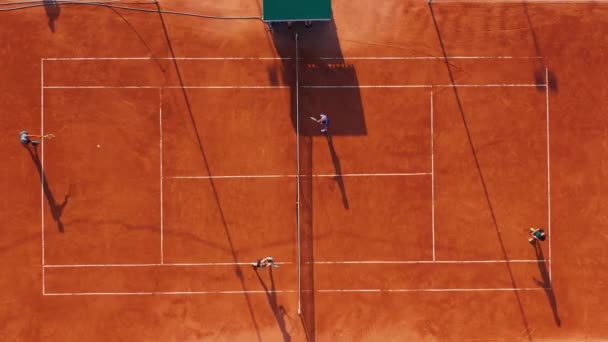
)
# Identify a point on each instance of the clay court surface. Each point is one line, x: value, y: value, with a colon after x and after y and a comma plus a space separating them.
x: 184, y: 151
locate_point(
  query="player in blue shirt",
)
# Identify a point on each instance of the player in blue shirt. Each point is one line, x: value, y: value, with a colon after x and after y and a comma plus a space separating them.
x: 24, y: 136
x: 324, y: 121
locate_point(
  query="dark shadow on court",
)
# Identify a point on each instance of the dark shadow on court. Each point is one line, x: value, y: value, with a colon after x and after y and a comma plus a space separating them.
x: 545, y: 282
x: 321, y: 65
x: 56, y: 208
x: 327, y: 84
x: 541, y: 75
x: 278, y: 310
x: 304, y: 219
x: 190, y: 113
x: 52, y: 12
x: 140, y: 38
x: 479, y: 171
x: 339, y: 179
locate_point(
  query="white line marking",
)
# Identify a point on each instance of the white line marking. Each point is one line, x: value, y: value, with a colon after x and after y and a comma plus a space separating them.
x: 288, y: 58
x: 167, y: 87
x: 290, y: 291
x: 367, y: 86
x: 295, y: 176
x: 432, y: 178
x: 228, y: 177
x: 438, y: 290
x: 414, y: 86
x: 101, y: 87
x: 397, y: 262
x: 548, y: 176
x: 421, y: 57
x: 158, y: 264
x: 231, y: 87
x: 162, y: 250
x: 421, y: 86
x: 161, y: 58
x: 355, y: 262
x: 523, y: 1
x: 164, y: 293
x: 374, y: 174
x: 299, y: 254
x: 42, y: 171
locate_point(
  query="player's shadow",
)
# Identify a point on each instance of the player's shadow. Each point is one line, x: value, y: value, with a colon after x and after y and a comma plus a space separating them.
x: 321, y: 69
x: 278, y: 310
x: 339, y: 178
x: 545, y: 282
x: 52, y: 12
x: 56, y: 208
x: 541, y: 75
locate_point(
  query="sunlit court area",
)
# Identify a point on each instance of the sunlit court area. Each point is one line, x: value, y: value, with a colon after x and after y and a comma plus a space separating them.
x: 263, y: 170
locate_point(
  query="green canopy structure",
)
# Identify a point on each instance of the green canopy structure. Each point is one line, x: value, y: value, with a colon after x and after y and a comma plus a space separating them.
x: 296, y: 10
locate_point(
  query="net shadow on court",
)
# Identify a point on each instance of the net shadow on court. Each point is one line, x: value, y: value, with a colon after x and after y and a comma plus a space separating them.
x: 306, y: 247
x: 325, y: 83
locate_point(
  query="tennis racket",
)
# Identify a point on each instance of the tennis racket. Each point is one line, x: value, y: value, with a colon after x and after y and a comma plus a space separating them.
x: 48, y: 136
x: 313, y: 119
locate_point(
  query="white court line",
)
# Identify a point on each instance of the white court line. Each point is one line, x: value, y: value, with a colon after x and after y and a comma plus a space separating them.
x: 548, y: 177
x: 293, y: 291
x: 295, y: 176
x: 398, y: 262
x: 42, y: 170
x: 432, y: 179
x: 423, y: 57
x: 373, y: 174
x: 158, y: 264
x: 368, y: 86
x: 437, y: 290
x: 160, y: 110
x: 230, y: 87
x: 304, y: 86
x: 166, y: 87
x: 422, y: 86
x: 101, y: 87
x: 299, y: 252
x: 161, y: 58
x: 523, y: 1
x: 235, y: 176
x: 164, y: 293
x: 355, y: 262
x: 289, y: 58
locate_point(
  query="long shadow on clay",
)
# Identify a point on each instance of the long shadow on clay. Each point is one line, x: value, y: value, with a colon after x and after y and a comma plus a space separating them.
x: 545, y: 283
x: 56, y: 208
x: 278, y: 310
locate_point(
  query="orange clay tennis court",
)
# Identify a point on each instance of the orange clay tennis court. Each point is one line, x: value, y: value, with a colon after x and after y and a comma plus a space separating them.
x: 184, y: 151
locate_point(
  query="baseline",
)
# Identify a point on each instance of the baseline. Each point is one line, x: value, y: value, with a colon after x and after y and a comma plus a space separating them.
x: 307, y: 86
x: 294, y: 291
